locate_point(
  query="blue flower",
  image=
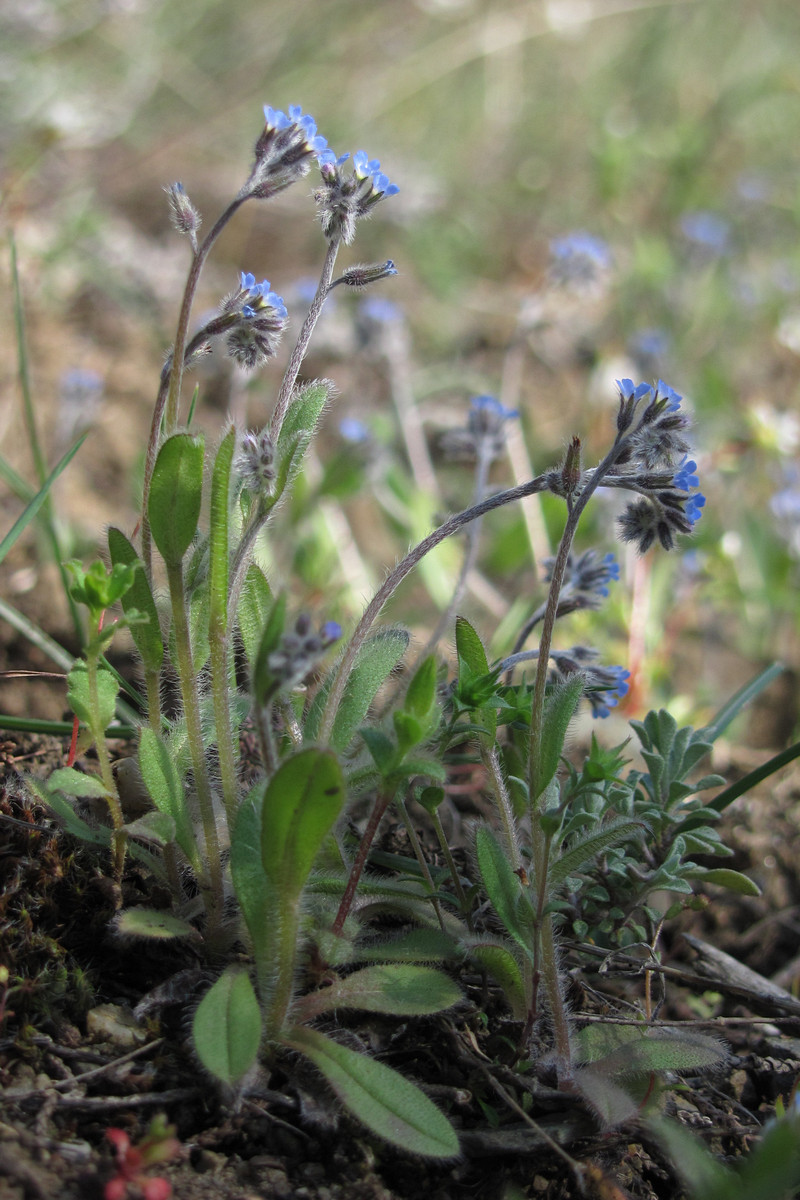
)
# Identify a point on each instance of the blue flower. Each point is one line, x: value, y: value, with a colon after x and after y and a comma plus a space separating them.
x: 353, y: 430
x: 344, y: 198
x: 258, y: 297
x: 605, y: 688
x: 581, y: 245
x: 284, y: 151
x: 706, y: 229
x: 664, y: 392
x: 629, y: 391
x: 491, y: 405
x: 377, y: 308
x: 693, y: 507
x: 684, y: 478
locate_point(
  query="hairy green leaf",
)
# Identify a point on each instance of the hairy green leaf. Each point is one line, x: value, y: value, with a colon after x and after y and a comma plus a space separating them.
x: 581, y: 852
x: 504, y: 889
x: 147, y: 634
x: 227, y: 1027
x: 75, y: 783
x: 402, y: 989
x: 153, y: 924
x: 301, y: 804
x: 163, y: 782
x: 387, y: 1103
x: 176, y: 491
x: 376, y: 658
x: 559, y: 710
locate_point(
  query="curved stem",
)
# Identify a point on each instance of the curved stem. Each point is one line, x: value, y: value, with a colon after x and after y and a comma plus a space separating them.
x: 395, y: 577
x: 299, y: 352
x: 201, y: 254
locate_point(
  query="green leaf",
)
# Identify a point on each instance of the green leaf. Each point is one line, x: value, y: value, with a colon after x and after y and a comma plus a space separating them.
x: 559, y: 710
x: 612, y: 1104
x: 153, y: 924
x: 401, y: 989
x: 254, y: 605
x: 218, y: 542
x: 227, y: 1027
x: 73, y: 824
x: 419, y: 945
x: 155, y: 827
x: 297, y: 431
x: 420, y: 698
x: 376, y: 658
x: 33, y: 505
x: 78, y: 694
x: 302, y: 801
x: 701, y: 1171
x: 163, y: 782
x: 387, y: 1103
x: 75, y: 783
x: 610, y: 834
x: 504, y: 889
x: 505, y: 970
x: 734, y: 881
x: 382, y: 749
x: 147, y: 635
x: 749, y: 781
x: 661, y: 1050
x: 250, y: 882
x: 469, y: 647
x: 176, y: 492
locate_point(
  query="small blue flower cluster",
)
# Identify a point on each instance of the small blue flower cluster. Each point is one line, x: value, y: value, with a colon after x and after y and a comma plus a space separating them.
x: 579, y: 258
x: 284, y: 151
x: 344, y: 198
x: 646, y: 464
x: 605, y: 688
x: 277, y: 120
x: 258, y: 297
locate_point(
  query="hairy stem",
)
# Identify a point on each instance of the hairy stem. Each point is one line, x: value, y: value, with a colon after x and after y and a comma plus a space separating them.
x: 191, y: 709
x: 395, y: 577
x: 299, y: 352
x: 356, y: 871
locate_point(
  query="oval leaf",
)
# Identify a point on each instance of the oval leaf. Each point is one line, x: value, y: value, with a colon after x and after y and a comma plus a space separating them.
x: 75, y: 783
x: 227, y: 1027
x: 150, y: 923
x: 176, y: 492
x: 398, y: 988
x: 303, y: 800
x: 387, y: 1103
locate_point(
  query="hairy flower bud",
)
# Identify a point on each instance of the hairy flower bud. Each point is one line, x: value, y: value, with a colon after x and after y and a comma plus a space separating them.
x: 185, y: 216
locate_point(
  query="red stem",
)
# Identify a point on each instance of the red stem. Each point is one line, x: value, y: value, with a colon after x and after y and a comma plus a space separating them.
x: 381, y: 804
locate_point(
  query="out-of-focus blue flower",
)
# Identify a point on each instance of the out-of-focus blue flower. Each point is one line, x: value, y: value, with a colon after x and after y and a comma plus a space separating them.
x: 649, y: 343
x: 353, y: 430
x: 706, y: 229
x: 376, y: 308
x: 492, y: 407
x: 330, y: 632
x: 605, y: 688
x: 581, y: 246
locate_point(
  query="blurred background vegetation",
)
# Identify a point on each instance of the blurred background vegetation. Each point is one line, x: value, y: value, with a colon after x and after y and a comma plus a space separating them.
x: 667, y: 130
